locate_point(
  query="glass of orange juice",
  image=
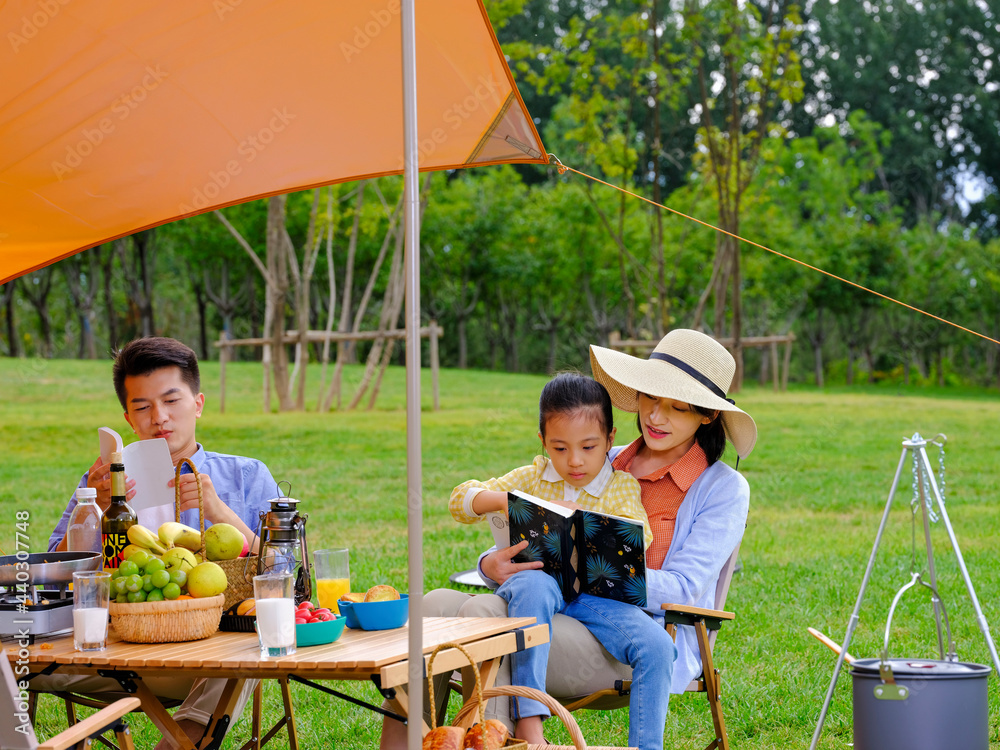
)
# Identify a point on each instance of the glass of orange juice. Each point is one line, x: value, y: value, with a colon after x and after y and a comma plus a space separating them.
x: 333, y: 576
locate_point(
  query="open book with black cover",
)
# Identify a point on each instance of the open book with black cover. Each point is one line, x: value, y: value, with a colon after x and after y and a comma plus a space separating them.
x: 585, y: 551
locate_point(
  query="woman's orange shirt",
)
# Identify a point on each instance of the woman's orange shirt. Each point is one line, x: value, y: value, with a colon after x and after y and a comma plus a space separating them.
x: 663, y: 491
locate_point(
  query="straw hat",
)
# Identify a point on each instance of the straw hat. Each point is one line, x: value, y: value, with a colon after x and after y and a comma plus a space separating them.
x: 686, y: 366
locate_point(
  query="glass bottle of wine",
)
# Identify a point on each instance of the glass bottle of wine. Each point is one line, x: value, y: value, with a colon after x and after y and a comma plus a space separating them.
x: 118, y: 518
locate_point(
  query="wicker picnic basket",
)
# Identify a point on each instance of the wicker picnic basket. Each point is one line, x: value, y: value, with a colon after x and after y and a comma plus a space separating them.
x: 239, y: 571
x: 167, y: 621
x: 478, y: 703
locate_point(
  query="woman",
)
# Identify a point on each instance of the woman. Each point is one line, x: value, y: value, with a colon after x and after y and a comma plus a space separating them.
x: 697, y: 507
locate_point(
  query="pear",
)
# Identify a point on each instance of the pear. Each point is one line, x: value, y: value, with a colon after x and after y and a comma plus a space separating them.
x: 223, y: 542
x: 205, y: 580
x: 178, y: 558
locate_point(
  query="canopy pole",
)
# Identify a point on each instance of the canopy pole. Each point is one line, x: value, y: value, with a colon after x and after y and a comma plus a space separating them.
x: 414, y: 474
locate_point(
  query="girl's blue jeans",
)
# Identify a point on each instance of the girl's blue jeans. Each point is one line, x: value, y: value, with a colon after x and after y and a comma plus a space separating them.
x: 628, y: 633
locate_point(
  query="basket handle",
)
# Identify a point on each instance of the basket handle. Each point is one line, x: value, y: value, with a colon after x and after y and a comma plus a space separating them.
x: 201, y: 499
x: 430, y: 681
x: 526, y: 692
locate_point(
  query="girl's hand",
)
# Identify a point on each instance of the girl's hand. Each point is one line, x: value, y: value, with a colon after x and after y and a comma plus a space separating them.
x: 499, y: 565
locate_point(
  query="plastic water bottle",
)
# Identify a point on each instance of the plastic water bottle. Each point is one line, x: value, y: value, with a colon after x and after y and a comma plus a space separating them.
x: 84, y: 531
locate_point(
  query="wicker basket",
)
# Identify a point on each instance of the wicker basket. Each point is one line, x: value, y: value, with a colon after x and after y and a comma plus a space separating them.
x: 478, y: 703
x: 167, y: 621
x: 240, y: 571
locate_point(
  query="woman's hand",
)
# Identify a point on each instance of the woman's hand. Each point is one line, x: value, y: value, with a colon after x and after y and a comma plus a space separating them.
x: 499, y: 565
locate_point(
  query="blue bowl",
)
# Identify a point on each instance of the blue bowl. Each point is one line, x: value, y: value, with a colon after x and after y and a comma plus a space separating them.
x: 318, y: 633
x: 347, y: 610
x: 377, y: 615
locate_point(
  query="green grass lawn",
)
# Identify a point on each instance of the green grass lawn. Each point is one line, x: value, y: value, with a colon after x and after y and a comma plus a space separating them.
x: 819, y: 479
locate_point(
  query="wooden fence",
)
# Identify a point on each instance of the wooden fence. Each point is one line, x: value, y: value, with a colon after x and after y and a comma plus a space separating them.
x: 779, y: 376
x: 432, y: 332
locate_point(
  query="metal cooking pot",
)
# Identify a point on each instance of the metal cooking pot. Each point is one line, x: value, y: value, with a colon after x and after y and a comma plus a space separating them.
x: 45, y: 568
x: 920, y: 704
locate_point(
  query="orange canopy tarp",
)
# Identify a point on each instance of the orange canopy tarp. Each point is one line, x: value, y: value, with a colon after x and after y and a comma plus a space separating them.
x: 121, y: 115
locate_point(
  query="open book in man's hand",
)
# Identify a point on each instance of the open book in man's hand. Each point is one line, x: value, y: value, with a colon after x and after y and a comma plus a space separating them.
x: 585, y: 551
x: 148, y: 463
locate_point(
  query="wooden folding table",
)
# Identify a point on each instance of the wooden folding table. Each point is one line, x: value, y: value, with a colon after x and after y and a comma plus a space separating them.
x: 379, y: 656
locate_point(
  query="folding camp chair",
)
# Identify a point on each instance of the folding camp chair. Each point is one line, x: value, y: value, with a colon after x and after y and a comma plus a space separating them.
x: 706, y: 623
x: 17, y: 733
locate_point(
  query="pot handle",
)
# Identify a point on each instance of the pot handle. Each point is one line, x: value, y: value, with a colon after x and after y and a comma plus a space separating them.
x: 885, y: 671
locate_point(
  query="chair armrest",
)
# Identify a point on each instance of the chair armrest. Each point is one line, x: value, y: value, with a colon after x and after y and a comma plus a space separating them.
x: 94, y: 724
x: 682, y: 614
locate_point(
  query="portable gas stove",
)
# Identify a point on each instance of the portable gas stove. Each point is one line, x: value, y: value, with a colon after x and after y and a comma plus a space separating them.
x: 42, y: 603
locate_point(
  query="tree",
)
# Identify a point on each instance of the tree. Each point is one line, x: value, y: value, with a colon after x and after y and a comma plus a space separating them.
x: 926, y: 71
x: 82, y: 281
x: 7, y: 302
x: 747, y: 76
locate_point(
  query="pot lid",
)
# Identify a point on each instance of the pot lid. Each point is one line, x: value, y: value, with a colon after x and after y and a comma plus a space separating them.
x: 930, y: 668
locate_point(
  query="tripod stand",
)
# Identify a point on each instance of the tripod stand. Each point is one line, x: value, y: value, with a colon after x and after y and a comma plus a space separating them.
x: 916, y: 449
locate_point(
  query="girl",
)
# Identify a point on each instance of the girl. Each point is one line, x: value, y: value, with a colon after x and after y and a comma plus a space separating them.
x: 697, y: 506
x: 575, y: 425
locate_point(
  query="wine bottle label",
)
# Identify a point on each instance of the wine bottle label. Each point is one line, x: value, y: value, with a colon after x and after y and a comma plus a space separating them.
x: 113, y: 544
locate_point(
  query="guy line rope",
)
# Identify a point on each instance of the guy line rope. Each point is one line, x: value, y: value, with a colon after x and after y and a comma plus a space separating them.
x: 563, y: 168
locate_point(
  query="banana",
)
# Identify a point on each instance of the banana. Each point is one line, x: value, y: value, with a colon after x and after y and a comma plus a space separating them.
x: 133, y: 548
x: 174, y: 534
x: 143, y: 537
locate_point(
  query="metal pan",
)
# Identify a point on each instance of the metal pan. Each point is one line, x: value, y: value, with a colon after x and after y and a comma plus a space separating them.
x: 46, y: 568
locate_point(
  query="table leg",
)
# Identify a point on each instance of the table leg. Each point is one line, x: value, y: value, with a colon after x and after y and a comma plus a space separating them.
x: 227, y: 703
x: 487, y: 676
x: 400, y: 704
x: 152, y: 707
x: 286, y: 697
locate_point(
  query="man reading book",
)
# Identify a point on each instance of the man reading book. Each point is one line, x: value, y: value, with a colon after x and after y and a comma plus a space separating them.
x: 158, y: 383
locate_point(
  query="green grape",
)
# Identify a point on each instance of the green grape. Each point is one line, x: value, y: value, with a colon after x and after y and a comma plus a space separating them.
x: 147, y: 583
x: 128, y: 568
x: 171, y: 591
x: 116, y: 573
x: 154, y: 565
x: 140, y: 558
x: 121, y: 599
x: 156, y: 595
x: 137, y: 596
x: 179, y: 577
x: 160, y: 578
x: 133, y: 583
x: 120, y: 585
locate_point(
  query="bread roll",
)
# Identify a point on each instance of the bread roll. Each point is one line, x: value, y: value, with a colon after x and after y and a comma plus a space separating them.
x: 444, y: 738
x: 489, y: 735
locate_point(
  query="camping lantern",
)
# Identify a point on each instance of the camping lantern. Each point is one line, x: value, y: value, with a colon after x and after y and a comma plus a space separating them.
x: 283, y: 548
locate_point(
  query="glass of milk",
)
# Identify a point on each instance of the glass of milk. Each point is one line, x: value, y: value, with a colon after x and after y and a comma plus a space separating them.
x: 274, y: 594
x: 91, y: 594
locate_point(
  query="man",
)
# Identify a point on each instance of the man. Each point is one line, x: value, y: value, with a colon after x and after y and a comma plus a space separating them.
x: 158, y: 384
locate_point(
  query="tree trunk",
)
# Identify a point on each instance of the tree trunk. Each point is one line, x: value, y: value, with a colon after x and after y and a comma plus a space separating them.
x: 277, y: 267
x: 463, y: 347
x: 7, y: 299
x: 139, y: 277
x: 850, y: 364
x: 818, y: 362
x: 83, y: 296
x: 107, y: 262
x: 201, y: 303
x: 37, y: 290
